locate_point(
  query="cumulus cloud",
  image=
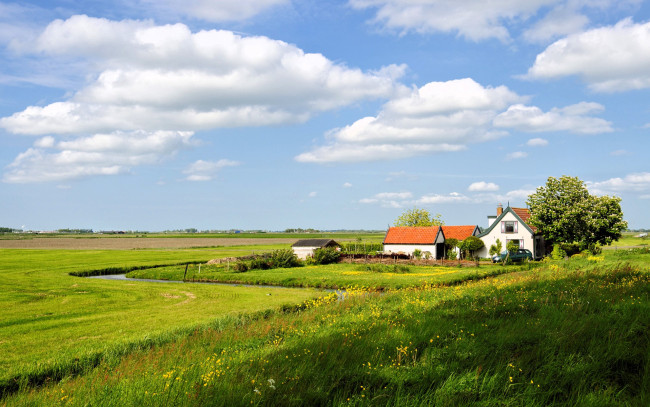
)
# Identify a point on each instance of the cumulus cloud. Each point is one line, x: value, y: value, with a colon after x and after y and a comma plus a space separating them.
x: 446, y: 117
x: 472, y: 19
x: 100, y: 154
x: 152, y: 78
x: 213, y: 11
x: 483, y: 186
x: 169, y: 77
x: 347, y: 185
x: 202, y: 170
x: 575, y: 118
x: 516, y: 155
x: 406, y: 199
x: 609, y: 59
x: 637, y: 182
x: 438, y: 117
x: 537, y: 142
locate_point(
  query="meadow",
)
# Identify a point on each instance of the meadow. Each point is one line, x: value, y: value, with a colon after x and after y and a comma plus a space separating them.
x: 570, y: 332
x: 371, y: 276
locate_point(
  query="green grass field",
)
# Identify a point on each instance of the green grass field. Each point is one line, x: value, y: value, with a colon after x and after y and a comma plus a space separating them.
x: 571, y: 332
x: 53, y: 323
x: 341, y: 275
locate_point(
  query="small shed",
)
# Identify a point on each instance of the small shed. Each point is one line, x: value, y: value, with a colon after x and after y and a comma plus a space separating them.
x: 306, y: 247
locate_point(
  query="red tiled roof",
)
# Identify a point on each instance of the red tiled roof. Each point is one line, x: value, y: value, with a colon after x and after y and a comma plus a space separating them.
x: 458, y: 232
x: 524, y: 214
x: 411, y: 235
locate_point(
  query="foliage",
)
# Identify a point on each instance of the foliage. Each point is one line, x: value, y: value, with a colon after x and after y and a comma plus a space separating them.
x: 417, y: 253
x: 496, y: 248
x: 284, y: 258
x: 512, y: 247
x: 558, y: 253
x: 260, y: 263
x: 563, y: 211
x: 470, y: 245
x: 450, y: 245
x: 361, y: 247
x: 326, y: 255
x: 418, y: 217
x: 240, y: 266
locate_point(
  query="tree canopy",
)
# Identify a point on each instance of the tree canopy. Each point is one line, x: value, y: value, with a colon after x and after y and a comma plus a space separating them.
x: 418, y: 217
x: 563, y: 211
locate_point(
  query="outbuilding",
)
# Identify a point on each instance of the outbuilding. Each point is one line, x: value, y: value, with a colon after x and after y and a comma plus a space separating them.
x: 305, y: 247
x: 407, y: 239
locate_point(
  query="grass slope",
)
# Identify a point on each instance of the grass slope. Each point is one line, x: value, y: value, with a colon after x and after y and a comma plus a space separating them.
x: 574, y: 332
x: 53, y: 324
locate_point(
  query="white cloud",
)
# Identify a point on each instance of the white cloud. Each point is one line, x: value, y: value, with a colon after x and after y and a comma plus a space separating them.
x: 537, y: 142
x: 100, y: 154
x: 618, y: 153
x: 156, y: 79
x: 438, y: 117
x: 483, y: 186
x: 347, y: 185
x: 561, y: 21
x: 517, y: 155
x: 637, y: 182
x: 446, y: 117
x: 207, y: 170
x: 453, y: 197
x: 575, y: 118
x: 313, y: 194
x: 389, y: 199
x: 472, y: 19
x: 610, y: 59
x: 166, y: 77
x: 214, y: 11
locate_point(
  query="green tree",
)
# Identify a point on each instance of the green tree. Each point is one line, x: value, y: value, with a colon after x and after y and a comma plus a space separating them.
x: 496, y: 248
x: 470, y: 245
x: 418, y: 217
x: 563, y: 211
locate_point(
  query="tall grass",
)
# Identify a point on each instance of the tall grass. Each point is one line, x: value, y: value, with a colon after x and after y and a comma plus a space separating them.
x: 562, y: 334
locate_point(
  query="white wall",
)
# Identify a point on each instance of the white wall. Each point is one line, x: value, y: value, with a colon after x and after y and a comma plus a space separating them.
x: 521, y: 234
x: 410, y: 248
x: 304, y: 252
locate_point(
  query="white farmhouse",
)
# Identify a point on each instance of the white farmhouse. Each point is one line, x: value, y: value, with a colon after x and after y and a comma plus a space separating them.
x: 510, y: 226
x: 405, y: 240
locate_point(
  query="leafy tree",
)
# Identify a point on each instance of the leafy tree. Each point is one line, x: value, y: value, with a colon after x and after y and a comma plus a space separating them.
x: 496, y: 248
x: 450, y: 244
x: 471, y: 244
x: 418, y: 217
x: 564, y: 212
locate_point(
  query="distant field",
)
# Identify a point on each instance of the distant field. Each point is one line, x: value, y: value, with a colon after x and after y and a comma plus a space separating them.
x: 161, y: 241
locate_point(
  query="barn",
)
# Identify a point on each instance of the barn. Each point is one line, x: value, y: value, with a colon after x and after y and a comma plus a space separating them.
x: 306, y: 247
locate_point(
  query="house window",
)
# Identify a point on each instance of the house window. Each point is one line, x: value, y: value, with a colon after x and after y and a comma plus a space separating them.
x: 518, y: 242
x: 509, y: 226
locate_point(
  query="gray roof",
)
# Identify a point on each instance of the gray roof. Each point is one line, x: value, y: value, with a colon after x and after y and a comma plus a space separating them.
x: 315, y: 243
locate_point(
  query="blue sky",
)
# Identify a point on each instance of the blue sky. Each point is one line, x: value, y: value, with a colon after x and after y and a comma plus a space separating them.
x: 275, y: 114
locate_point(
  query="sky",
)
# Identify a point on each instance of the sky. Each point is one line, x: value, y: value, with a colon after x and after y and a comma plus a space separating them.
x: 274, y: 114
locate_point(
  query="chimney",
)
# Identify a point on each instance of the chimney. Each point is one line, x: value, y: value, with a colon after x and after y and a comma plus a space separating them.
x: 499, y: 209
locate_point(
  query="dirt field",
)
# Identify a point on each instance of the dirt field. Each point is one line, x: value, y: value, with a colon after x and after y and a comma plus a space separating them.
x: 113, y: 243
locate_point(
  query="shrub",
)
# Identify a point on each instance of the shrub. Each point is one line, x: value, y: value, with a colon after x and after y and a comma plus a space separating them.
x: 284, y: 258
x: 558, y: 253
x: 240, y: 267
x: 570, y: 248
x: 260, y: 263
x: 326, y: 255
x: 417, y: 253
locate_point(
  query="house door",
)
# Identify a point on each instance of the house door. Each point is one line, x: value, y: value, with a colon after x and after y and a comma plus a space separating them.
x: 440, y: 251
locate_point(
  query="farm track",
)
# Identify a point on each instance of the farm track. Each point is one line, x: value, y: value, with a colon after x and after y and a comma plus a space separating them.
x: 108, y: 243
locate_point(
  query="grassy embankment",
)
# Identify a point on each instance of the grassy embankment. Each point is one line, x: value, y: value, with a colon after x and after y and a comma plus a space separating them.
x: 341, y: 275
x: 54, y: 324
x: 571, y: 332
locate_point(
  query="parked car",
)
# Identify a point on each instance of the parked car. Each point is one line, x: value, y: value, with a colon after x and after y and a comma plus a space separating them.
x: 519, y: 255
